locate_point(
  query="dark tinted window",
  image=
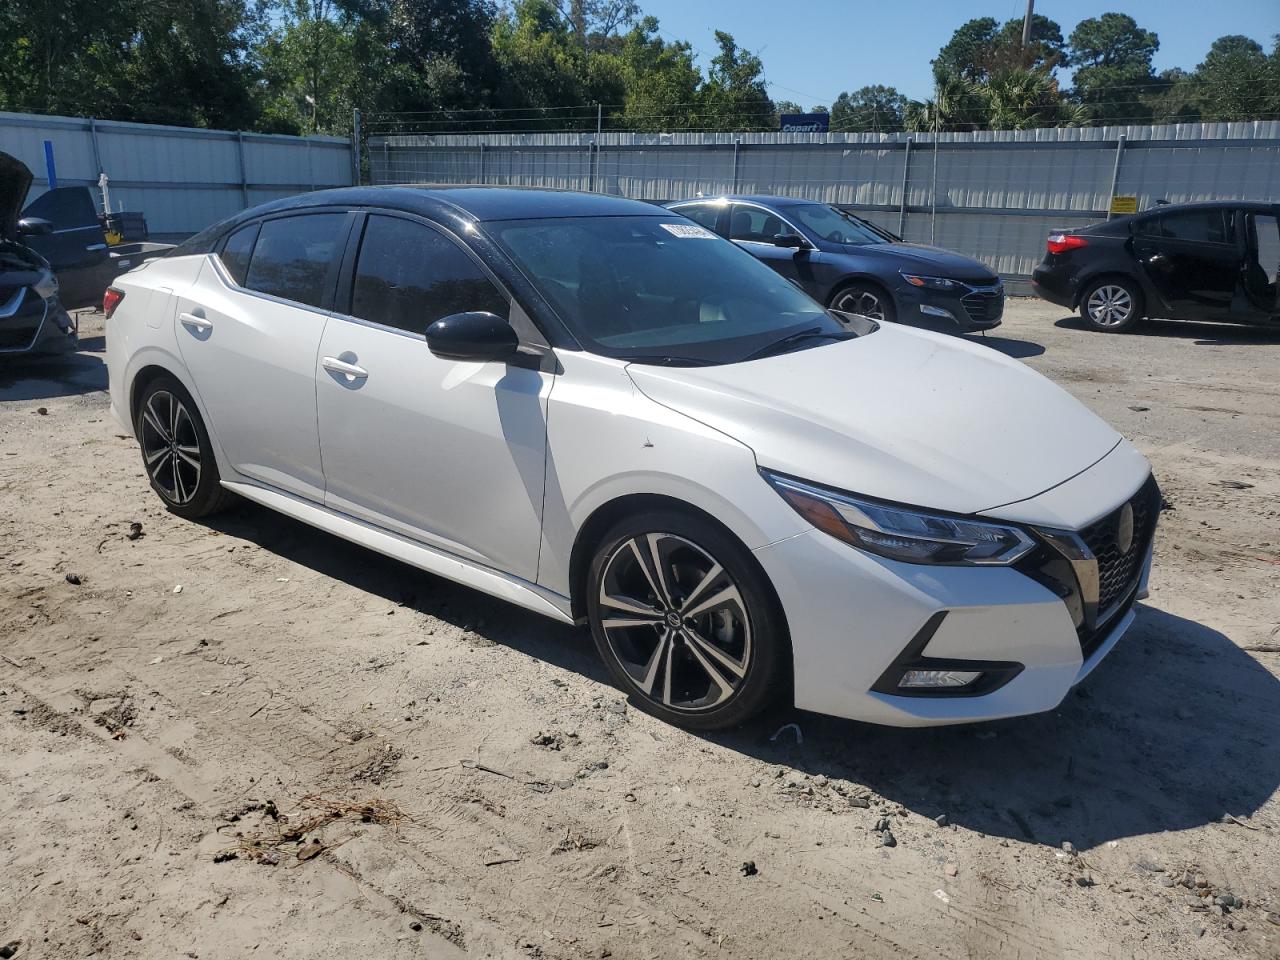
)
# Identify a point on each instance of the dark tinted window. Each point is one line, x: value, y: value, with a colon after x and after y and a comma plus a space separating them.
x: 67, y: 208
x: 409, y: 276
x: 703, y: 213
x: 1201, y: 226
x: 235, y: 252
x: 292, y: 255
x: 752, y: 223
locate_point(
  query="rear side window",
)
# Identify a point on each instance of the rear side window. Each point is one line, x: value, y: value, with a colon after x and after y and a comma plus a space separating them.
x: 237, y: 250
x: 292, y: 256
x: 1197, y: 226
x: 703, y: 213
x: 408, y: 276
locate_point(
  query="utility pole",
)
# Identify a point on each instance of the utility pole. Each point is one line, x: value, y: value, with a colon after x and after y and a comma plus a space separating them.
x: 1026, y: 24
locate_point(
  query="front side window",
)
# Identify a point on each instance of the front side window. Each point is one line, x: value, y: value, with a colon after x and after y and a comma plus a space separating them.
x: 408, y: 276
x: 1193, y: 226
x: 658, y: 288
x: 292, y: 256
x: 756, y: 225
x: 237, y: 250
x: 836, y: 226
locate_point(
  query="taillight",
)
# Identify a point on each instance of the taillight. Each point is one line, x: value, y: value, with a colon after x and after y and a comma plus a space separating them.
x: 1062, y: 242
x: 110, y: 300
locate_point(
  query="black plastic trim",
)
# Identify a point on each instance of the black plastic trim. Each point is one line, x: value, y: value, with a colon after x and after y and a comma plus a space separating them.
x: 994, y: 673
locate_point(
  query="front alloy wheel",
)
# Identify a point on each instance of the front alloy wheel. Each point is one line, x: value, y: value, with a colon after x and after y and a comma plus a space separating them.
x: 864, y: 300
x: 675, y: 612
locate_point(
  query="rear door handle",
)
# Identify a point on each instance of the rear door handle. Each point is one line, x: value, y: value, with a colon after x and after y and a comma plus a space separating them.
x: 194, y: 323
x: 348, y: 370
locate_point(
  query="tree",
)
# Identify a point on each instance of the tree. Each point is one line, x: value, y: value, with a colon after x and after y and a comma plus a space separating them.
x: 734, y: 96
x: 1238, y: 81
x: 595, y: 23
x: 1112, y: 56
x: 660, y: 79
x: 964, y: 54
x: 875, y: 108
x: 308, y: 69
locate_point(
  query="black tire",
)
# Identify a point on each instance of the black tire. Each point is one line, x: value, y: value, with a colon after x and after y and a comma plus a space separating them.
x: 857, y: 296
x: 1112, y: 305
x: 745, y: 630
x: 183, y: 473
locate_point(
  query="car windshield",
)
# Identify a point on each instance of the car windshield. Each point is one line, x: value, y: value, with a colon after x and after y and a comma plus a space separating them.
x: 659, y: 289
x: 835, y: 225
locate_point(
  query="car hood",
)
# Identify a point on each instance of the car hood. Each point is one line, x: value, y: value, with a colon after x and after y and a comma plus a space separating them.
x: 899, y: 414
x: 936, y: 261
x: 15, y: 181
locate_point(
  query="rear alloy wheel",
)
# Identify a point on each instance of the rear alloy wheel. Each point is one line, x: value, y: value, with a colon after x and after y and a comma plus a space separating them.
x: 1111, y: 306
x: 866, y: 300
x: 176, y: 452
x: 684, y: 621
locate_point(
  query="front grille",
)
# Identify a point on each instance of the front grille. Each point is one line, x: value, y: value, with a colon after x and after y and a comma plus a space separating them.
x: 983, y: 306
x: 1117, y: 571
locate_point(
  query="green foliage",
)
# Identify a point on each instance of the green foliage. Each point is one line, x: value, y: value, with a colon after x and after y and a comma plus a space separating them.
x: 301, y: 66
x: 875, y: 109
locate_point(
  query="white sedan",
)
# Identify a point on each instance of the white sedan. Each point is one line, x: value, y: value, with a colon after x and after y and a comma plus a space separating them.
x: 599, y: 410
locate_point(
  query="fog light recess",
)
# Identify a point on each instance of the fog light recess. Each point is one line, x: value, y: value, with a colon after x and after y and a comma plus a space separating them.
x: 936, y: 679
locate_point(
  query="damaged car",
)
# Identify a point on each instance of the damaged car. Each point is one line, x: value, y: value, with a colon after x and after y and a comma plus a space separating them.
x: 32, y: 317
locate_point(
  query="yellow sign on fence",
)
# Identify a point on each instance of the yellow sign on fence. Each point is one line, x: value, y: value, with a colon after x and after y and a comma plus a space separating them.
x: 1124, y: 204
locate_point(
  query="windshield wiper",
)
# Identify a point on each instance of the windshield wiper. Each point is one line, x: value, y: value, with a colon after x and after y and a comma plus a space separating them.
x: 663, y: 360
x: 811, y: 333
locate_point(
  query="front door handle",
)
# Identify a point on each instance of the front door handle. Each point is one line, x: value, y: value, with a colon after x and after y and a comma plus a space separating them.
x: 348, y: 370
x: 195, y: 324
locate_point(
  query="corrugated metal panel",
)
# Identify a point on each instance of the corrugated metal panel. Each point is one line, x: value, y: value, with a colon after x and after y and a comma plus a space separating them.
x: 994, y: 195
x: 181, y: 178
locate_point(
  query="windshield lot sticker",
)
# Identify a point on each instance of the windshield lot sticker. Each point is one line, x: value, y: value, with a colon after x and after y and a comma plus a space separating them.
x: 687, y: 231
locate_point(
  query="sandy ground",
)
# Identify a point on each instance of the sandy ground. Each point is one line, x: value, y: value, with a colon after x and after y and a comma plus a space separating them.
x: 405, y: 768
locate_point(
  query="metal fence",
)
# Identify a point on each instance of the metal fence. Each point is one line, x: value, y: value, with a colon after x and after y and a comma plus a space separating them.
x: 181, y: 178
x: 992, y: 195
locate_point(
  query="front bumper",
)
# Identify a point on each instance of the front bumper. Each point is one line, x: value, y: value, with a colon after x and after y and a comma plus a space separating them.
x: 31, y: 324
x: 972, y: 307
x: 854, y: 618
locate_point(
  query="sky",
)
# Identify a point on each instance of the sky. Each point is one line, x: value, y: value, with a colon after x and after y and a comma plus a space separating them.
x: 814, y: 49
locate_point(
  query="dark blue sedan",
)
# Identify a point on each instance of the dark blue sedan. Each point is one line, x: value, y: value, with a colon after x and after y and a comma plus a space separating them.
x: 854, y: 266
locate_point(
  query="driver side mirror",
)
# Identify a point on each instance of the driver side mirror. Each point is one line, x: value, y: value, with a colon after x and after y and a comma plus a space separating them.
x: 789, y: 240
x: 34, y: 227
x: 475, y: 336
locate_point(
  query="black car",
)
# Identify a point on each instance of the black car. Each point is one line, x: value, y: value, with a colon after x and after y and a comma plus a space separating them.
x: 31, y: 315
x: 854, y: 266
x: 1187, y: 261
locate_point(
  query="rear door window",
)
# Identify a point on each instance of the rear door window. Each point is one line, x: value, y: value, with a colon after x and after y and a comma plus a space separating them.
x: 236, y: 251
x: 1192, y: 226
x: 705, y: 214
x: 292, y: 256
x: 409, y: 275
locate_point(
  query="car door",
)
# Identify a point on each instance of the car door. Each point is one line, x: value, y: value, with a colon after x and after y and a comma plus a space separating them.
x: 1261, y: 266
x: 753, y: 228
x: 446, y: 452
x: 249, y: 330
x: 1193, y: 259
x: 76, y: 248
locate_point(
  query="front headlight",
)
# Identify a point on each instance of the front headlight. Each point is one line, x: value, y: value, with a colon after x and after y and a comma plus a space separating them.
x: 903, y: 533
x: 930, y: 283
x: 46, y: 287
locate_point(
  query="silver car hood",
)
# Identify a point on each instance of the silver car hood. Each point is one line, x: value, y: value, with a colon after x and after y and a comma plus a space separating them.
x: 900, y: 414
